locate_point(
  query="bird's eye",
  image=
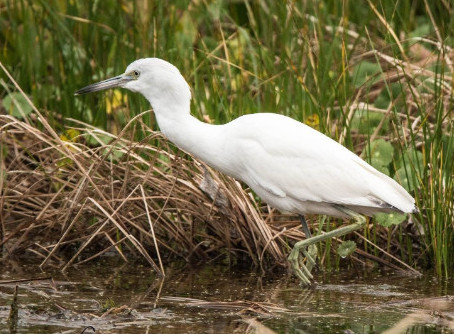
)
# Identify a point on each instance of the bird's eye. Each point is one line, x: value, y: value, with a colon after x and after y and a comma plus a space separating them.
x: 135, y: 74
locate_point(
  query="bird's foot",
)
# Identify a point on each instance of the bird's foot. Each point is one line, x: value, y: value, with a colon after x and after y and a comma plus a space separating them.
x: 308, y: 248
x: 296, y: 258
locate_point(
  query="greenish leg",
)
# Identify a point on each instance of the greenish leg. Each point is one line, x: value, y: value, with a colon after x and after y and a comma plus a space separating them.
x: 310, y: 254
x: 308, y: 247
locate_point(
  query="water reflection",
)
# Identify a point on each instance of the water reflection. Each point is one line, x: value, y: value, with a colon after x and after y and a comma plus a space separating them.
x: 128, y: 298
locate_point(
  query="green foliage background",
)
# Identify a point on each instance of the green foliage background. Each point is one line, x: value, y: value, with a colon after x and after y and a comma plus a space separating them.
x: 317, y: 61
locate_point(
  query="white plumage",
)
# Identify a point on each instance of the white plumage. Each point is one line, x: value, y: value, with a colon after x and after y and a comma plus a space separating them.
x: 289, y: 165
x: 296, y: 168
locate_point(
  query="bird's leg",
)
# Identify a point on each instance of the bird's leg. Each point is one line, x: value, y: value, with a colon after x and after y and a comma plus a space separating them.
x: 307, y: 246
x: 312, y: 250
x: 305, y: 227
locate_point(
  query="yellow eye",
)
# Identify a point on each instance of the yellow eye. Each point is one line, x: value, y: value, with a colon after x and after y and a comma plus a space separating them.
x: 135, y: 74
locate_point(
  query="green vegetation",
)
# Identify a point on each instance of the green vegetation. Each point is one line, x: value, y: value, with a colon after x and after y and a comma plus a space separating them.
x: 375, y: 75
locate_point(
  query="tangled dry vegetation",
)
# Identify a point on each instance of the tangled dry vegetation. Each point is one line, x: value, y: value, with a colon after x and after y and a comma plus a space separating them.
x: 130, y: 197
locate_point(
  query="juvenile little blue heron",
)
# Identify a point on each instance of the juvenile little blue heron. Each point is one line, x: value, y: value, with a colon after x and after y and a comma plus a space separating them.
x: 291, y: 166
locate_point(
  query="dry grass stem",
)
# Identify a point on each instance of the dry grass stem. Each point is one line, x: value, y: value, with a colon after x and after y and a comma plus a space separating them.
x: 126, y: 197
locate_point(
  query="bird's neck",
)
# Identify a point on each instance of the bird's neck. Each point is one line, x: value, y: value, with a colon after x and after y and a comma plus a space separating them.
x: 202, y: 140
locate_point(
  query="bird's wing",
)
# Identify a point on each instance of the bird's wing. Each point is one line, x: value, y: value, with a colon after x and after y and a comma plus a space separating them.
x: 290, y: 159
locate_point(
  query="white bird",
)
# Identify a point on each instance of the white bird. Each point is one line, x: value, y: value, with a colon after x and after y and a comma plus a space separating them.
x: 291, y: 166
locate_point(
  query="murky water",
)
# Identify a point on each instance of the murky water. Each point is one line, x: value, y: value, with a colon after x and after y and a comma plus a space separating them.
x: 118, y: 298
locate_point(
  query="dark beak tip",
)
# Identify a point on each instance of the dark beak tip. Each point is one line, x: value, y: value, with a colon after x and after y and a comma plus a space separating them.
x: 79, y: 92
x: 83, y: 91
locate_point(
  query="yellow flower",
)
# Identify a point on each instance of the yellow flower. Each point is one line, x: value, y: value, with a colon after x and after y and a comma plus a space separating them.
x: 70, y: 135
x: 115, y: 101
x: 313, y: 121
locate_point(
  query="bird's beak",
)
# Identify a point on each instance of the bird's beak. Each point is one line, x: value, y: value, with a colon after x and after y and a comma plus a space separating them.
x: 117, y: 81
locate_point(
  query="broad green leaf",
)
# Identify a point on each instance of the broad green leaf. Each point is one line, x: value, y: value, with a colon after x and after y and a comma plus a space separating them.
x: 429, y: 85
x: 389, y: 219
x: 421, y: 30
x: 402, y: 176
x: 98, y: 139
x: 364, y: 71
x: 387, y: 95
x: 346, y: 248
x: 411, y: 157
x: 410, y: 162
x: 366, y: 122
x: 16, y: 105
x: 115, y: 154
x: 380, y: 154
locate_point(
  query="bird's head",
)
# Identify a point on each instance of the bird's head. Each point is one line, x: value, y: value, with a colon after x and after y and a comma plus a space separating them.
x: 159, y: 81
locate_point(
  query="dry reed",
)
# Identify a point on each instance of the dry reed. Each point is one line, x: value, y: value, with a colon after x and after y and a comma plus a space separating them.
x: 128, y: 197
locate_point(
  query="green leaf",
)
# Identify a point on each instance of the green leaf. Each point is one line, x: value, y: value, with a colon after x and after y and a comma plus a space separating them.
x: 402, y: 177
x: 366, y: 122
x: 364, y: 71
x: 411, y: 157
x: 389, y: 219
x: 98, y: 139
x: 389, y: 94
x: 411, y: 164
x: 346, y: 248
x: 380, y: 154
x: 422, y: 30
x: 113, y: 153
x: 16, y: 105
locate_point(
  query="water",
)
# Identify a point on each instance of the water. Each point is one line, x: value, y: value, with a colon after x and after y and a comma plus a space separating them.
x: 215, y: 299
